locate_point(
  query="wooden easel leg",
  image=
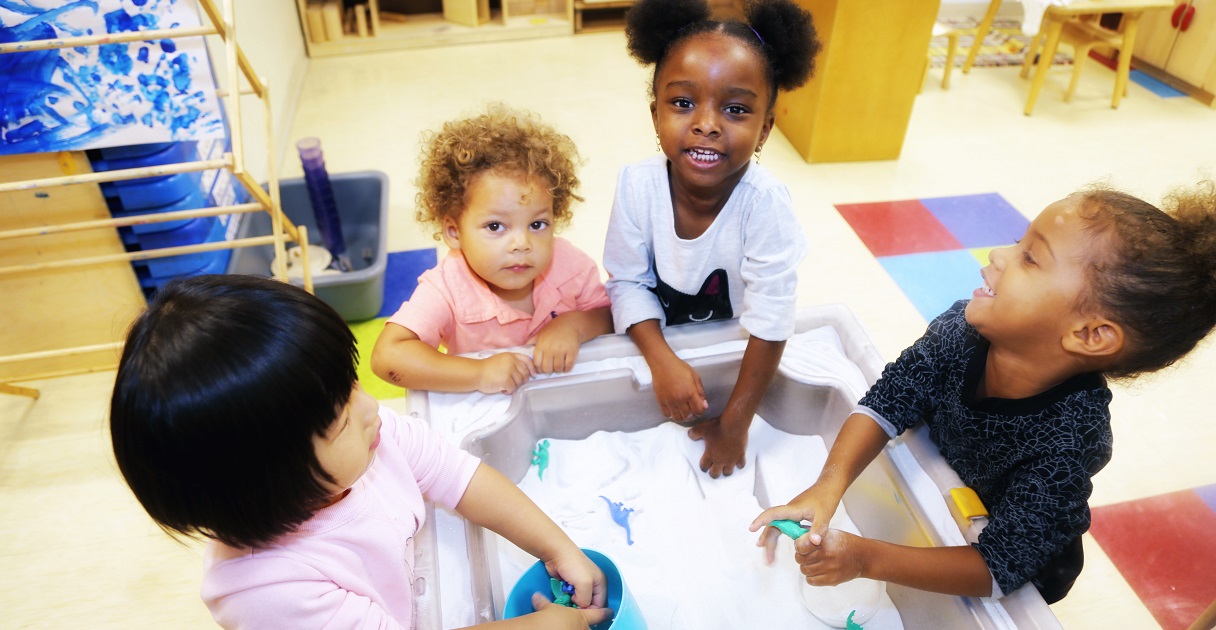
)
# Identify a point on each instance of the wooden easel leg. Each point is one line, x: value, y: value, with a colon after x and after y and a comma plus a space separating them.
x: 17, y: 390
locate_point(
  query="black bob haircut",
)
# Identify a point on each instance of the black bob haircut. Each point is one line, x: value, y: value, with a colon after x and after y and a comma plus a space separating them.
x: 223, y: 382
x: 780, y: 31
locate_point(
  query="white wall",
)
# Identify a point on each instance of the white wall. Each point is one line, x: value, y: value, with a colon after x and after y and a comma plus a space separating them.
x: 269, y: 33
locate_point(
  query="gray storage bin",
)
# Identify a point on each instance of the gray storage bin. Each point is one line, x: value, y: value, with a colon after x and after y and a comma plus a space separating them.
x: 362, y: 199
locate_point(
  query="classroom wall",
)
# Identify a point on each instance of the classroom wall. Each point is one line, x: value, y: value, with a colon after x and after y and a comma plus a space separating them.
x: 269, y: 33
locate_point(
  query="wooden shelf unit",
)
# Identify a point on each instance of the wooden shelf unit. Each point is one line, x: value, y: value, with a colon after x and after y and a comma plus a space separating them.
x: 594, y: 17
x: 38, y: 277
x: 462, y: 22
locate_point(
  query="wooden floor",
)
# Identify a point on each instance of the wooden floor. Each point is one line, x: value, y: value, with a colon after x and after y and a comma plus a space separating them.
x: 77, y: 551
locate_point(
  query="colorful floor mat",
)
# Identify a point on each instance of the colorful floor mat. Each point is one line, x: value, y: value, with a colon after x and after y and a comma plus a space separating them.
x: 1165, y: 547
x: 934, y: 248
x: 1005, y: 44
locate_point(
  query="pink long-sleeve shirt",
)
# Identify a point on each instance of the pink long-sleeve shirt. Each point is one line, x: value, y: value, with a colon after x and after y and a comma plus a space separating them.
x: 351, y: 564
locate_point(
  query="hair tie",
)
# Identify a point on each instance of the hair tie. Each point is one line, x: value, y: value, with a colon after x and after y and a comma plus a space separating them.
x: 756, y: 34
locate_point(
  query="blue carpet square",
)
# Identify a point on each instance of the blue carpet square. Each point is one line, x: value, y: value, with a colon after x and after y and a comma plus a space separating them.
x: 934, y: 280
x: 1153, y: 85
x: 401, y: 276
x: 979, y: 220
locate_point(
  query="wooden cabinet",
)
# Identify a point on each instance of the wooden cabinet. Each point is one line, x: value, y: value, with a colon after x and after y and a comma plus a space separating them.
x: 1180, y: 43
x: 858, y: 103
x: 330, y: 28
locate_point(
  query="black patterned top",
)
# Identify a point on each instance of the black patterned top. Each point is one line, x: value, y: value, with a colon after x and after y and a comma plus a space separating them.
x: 1030, y: 460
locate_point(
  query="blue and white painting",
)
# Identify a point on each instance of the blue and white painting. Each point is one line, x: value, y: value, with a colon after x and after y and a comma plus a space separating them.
x: 107, y: 95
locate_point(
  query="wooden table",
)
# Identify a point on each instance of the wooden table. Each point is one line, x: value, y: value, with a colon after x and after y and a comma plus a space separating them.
x: 1053, y: 23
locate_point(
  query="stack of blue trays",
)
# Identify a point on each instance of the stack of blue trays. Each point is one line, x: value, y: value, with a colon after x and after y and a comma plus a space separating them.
x: 164, y: 193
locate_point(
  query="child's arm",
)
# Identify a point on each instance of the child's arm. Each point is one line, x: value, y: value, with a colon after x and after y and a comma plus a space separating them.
x: 829, y: 557
x: 841, y: 556
x: 492, y: 501
x: 403, y: 359
x: 859, y: 442
x: 726, y: 436
x: 676, y: 385
x: 557, y: 344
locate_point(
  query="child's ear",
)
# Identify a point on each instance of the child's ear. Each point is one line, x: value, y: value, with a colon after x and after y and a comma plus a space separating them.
x: 767, y: 129
x: 451, y: 233
x: 1095, y: 337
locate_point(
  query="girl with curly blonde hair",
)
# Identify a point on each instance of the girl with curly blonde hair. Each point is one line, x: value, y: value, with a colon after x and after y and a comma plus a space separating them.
x: 495, y: 186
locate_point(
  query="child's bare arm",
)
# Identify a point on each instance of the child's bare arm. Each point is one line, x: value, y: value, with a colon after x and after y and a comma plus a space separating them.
x: 403, y: 359
x: 726, y: 436
x: 558, y: 342
x: 676, y: 385
x: 842, y: 556
x: 492, y: 501
x: 859, y: 442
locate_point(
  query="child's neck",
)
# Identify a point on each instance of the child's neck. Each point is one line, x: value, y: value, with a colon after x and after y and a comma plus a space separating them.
x: 696, y: 208
x: 520, y: 299
x: 1016, y: 375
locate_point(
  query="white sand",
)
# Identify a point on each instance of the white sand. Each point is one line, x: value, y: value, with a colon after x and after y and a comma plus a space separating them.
x: 693, y: 563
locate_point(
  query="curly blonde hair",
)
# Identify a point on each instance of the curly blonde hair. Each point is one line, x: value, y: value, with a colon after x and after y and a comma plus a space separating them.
x: 502, y: 140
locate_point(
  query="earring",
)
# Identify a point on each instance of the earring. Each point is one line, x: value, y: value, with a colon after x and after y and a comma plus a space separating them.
x: 758, y: 150
x: 658, y: 146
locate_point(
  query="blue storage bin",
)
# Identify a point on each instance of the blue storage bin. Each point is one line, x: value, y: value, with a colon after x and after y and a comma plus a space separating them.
x: 151, y: 284
x: 151, y: 192
x: 194, y: 231
x: 194, y: 201
x: 138, y: 156
x: 134, y: 150
x: 187, y: 263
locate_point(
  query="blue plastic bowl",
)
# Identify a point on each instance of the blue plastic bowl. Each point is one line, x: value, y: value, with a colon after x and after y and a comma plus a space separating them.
x: 536, y: 580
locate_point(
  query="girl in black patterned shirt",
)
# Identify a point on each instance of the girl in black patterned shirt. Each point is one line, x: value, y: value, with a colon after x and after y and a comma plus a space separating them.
x: 1012, y: 387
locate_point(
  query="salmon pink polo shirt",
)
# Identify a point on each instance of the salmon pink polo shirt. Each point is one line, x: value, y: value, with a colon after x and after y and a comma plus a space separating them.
x: 453, y: 306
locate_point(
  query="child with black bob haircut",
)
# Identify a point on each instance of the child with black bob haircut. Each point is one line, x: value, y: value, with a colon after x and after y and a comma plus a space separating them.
x: 236, y: 416
x: 1012, y: 387
x: 700, y: 232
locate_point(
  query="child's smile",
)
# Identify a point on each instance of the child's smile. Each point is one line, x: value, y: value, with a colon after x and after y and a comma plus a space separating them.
x: 711, y: 111
x: 1031, y: 289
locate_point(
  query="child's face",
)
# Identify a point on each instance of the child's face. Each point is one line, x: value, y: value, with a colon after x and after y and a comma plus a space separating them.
x: 505, y: 232
x: 347, y: 449
x: 1031, y: 289
x: 711, y: 109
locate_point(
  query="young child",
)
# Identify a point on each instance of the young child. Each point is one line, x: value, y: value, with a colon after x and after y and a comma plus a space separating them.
x: 496, y: 186
x: 699, y: 232
x: 1011, y: 384
x: 236, y: 416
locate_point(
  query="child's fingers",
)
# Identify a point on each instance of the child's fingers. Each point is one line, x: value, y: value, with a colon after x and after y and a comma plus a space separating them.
x: 596, y: 615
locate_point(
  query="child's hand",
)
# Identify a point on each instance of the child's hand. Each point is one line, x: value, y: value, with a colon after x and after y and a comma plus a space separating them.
x: 725, y: 448
x: 678, y: 389
x: 504, y: 373
x: 557, y: 346
x: 590, y: 585
x: 550, y: 615
x: 839, y: 557
x: 815, y: 504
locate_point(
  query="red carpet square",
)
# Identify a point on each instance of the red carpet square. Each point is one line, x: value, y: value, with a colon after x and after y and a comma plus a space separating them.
x: 894, y: 228
x: 1165, y: 547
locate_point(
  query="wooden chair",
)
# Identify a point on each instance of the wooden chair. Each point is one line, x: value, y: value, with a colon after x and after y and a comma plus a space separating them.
x: 1083, y: 35
x: 952, y: 35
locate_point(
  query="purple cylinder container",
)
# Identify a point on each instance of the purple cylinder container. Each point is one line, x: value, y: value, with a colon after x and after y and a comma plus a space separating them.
x: 324, y: 207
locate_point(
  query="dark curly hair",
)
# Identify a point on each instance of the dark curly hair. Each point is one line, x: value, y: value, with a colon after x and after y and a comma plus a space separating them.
x: 501, y: 140
x: 778, y: 30
x: 1156, y: 275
